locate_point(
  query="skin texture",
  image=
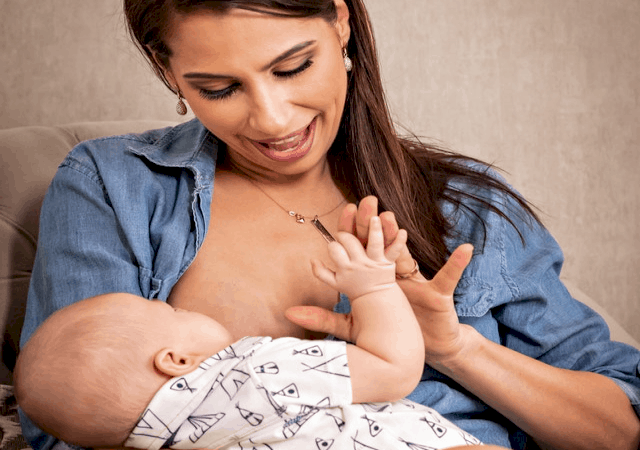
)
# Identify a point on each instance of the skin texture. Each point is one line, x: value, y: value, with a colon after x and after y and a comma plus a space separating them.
x: 386, y: 363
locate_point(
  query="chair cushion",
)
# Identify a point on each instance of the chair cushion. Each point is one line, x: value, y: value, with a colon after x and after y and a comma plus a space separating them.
x: 29, y: 158
x: 10, y: 432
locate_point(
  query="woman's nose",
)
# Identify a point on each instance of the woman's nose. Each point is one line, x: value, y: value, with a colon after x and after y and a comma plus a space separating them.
x: 270, y: 112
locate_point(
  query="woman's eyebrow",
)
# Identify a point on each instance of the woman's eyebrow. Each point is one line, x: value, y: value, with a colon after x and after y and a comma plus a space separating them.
x: 293, y: 50
x: 288, y: 53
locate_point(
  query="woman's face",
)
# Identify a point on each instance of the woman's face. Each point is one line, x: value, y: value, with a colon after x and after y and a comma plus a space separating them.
x: 272, y: 88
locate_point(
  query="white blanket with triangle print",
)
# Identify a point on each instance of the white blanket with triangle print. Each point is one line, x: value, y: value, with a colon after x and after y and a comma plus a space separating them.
x: 287, y: 393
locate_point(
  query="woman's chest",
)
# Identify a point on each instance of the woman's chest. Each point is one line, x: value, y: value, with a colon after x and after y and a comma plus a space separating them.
x: 251, y: 268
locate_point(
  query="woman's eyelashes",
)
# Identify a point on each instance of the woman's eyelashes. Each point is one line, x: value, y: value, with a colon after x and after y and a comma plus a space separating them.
x: 292, y: 73
x: 220, y: 94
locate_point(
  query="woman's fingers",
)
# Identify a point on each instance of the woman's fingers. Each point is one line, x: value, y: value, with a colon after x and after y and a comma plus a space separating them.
x: 347, y: 220
x: 319, y: 319
x: 354, y: 250
x: 355, y: 219
x: 395, y: 240
x: 367, y: 208
x: 390, y: 227
x: 394, y: 251
x: 397, y: 247
x: 447, y: 278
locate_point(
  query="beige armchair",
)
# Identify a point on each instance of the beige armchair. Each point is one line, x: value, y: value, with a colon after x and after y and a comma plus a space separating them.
x: 29, y: 158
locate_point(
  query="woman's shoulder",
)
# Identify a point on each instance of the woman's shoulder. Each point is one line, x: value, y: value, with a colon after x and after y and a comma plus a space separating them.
x: 482, y: 199
x: 511, y: 247
x: 173, y: 146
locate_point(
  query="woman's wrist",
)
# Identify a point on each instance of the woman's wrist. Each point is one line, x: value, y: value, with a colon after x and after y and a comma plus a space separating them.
x: 462, y: 352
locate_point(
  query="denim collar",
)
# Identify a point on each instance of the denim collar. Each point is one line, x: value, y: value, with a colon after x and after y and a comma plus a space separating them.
x: 189, y: 145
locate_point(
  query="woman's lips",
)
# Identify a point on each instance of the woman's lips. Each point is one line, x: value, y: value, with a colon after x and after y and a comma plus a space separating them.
x: 289, y: 148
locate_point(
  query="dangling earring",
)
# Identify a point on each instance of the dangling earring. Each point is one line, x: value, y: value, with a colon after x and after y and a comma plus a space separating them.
x: 181, y: 108
x: 348, y: 65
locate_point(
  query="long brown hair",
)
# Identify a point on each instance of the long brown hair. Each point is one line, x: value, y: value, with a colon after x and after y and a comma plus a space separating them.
x: 368, y: 157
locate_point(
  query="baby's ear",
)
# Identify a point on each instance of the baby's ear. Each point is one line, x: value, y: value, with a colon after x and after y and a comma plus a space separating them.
x: 175, y: 363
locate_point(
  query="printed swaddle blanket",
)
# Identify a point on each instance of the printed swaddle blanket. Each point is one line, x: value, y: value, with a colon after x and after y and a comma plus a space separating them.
x: 287, y: 393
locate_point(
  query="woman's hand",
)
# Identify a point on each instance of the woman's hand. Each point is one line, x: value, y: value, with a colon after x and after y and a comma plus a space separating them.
x: 432, y: 300
x: 552, y: 405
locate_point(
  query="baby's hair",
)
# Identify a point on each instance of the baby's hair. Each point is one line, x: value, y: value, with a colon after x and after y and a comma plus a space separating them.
x: 78, y: 377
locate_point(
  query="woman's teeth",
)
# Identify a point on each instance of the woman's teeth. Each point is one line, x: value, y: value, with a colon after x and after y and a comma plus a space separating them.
x: 290, y: 147
x: 284, y: 145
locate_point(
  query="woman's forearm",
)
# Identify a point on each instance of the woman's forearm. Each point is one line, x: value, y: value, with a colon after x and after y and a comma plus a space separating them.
x: 559, y: 408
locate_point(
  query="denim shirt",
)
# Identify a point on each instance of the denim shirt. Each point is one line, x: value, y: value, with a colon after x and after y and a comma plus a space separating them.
x: 129, y: 213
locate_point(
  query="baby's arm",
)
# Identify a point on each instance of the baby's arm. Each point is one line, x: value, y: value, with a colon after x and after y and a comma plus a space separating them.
x: 387, y: 359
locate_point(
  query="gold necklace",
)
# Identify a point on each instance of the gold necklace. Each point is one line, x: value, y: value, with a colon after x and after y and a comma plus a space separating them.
x: 300, y: 218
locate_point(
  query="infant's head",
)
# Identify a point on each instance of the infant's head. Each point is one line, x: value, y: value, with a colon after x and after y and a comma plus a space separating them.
x: 90, y: 369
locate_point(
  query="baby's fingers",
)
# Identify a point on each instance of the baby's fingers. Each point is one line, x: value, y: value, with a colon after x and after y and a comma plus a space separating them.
x: 447, y: 278
x: 323, y: 274
x: 375, y: 241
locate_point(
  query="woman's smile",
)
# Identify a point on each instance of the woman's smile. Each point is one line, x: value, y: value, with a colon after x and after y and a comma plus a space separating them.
x: 289, y: 148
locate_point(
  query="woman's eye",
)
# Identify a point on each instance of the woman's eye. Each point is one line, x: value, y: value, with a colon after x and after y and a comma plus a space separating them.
x: 218, y: 94
x: 221, y: 94
x: 292, y: 73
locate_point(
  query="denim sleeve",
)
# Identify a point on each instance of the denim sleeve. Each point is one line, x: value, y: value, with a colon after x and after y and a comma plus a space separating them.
x: 95, y: 237
x: 542, y: 320
x: 81, y: 249
x: 80, y: 254
x: 515, y: 286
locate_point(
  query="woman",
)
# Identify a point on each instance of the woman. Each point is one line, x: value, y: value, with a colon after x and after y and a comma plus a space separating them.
x: 214, y: 215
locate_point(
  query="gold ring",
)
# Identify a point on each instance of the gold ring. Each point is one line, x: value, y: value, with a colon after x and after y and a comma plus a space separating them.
x: 404, y: 276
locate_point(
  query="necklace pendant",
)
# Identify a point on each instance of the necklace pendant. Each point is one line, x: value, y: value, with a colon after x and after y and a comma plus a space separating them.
x: 299, y: 217
x: 322, y: 230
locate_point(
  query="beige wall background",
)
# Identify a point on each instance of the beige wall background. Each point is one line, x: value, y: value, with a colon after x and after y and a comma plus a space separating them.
x: 548, y: 90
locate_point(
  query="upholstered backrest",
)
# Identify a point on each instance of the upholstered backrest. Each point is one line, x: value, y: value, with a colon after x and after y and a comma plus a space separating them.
x: 29, y: 157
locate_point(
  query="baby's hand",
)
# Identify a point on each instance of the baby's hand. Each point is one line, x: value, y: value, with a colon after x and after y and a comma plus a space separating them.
x: 360, y: 271
x: 355, y: 220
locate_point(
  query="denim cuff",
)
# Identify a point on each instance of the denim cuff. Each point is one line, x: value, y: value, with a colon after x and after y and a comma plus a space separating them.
x: 632, y: 392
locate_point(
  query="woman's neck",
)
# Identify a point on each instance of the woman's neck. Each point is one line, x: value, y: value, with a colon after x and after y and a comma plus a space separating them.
x: 314, y: 189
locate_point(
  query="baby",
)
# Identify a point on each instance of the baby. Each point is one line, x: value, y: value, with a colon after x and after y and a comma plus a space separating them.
x: 121, y: 370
